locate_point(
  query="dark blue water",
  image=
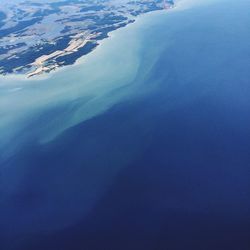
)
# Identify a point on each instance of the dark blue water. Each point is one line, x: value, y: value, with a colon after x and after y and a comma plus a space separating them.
x: 166, y: 170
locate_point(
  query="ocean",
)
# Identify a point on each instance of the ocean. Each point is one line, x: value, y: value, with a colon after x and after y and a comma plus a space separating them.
x: 143, y: 144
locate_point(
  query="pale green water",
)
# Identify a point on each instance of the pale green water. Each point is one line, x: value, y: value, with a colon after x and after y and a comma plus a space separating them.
x: 90, y: 87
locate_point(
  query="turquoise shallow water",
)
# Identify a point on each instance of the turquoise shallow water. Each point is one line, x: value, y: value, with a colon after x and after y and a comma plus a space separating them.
x: 144, y: 145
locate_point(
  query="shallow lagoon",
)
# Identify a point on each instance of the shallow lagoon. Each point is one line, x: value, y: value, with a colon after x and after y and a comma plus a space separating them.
x: 142, y: 145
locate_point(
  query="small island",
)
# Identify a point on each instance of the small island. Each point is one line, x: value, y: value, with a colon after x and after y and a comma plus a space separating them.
x: 38, y: 37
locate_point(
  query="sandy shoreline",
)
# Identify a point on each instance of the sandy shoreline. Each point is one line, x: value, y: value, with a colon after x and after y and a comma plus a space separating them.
x: 42, y: 72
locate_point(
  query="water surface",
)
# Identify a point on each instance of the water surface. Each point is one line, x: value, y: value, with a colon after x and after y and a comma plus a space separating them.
x: 143, y: 145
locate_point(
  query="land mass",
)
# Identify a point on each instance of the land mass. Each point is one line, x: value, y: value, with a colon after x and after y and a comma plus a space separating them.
x: 38, y: 37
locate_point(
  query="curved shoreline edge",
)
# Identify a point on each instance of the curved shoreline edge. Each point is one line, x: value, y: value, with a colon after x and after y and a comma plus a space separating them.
x: 79, y: 47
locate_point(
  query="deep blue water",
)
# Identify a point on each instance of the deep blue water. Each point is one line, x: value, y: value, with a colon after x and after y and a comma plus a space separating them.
x: 165, y: 170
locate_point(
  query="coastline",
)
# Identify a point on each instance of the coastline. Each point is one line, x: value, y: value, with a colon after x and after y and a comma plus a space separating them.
x: 45, y: 73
